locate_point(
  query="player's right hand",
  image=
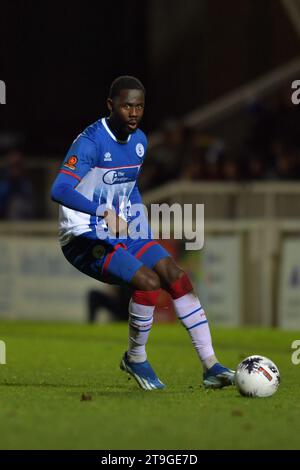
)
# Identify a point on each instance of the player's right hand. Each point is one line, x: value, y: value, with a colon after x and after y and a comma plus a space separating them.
x: 116, y: 225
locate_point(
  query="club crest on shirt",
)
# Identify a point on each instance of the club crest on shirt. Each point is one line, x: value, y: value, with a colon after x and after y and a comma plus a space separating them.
x: 98, y: 251
x: 71, y: 162
x: 140, y: 150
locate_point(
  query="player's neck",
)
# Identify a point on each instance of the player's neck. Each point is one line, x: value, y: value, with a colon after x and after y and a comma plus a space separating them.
x: 114, y: 126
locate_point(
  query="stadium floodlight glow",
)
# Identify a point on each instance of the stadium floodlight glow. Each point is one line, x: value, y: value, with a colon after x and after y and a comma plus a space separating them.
x: 2, y: 92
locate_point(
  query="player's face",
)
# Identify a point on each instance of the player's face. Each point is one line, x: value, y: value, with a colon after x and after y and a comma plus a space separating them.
x: 127, y: 109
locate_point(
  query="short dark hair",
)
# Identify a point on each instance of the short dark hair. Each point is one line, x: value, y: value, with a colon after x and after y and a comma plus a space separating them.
x: 125, y: 82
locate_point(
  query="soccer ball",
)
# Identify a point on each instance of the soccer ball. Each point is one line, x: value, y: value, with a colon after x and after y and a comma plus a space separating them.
x: 257, y: 376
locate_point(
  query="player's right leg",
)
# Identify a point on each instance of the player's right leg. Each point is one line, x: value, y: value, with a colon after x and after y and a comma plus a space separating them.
x: 146, y: 285
x: 116, y: 265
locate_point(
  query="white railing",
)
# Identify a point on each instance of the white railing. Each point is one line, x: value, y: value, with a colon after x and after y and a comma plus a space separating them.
x: 253, y: 271
x: 233, y: 200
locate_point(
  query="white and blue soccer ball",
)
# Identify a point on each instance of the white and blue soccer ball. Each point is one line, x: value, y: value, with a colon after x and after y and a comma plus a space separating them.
x: 257, y: 376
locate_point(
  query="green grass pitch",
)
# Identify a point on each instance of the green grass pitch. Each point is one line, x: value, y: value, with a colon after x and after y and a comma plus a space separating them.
x: 50, y: 366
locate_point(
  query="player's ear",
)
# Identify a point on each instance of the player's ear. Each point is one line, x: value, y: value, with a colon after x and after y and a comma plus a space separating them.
x: 109, y: 103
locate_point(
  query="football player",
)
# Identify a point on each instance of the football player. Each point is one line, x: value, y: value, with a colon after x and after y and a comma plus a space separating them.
x: 97, y: 191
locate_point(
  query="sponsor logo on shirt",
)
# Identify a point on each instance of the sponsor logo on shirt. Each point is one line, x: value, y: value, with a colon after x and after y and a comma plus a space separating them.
x: 140, y: 150
x: 120, y: 176
x: 71, y: 162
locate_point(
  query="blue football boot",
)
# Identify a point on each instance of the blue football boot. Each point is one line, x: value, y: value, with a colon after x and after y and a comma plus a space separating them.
x: 142, y: 372
x: 218, y: 376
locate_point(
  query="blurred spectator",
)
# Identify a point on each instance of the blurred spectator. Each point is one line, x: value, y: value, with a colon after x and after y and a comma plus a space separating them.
x: 194, y: 169
x: 286, y: 162
x: 164, y: 160
x: 16, y: 195
x: 201, y: 158
x: 286, y: 127
x: 116, y: 303
x: 230, y: 169
x: 148, y: 175
x: 256, y: 168
x: 213, y: 149
x: 213, y: 169
x: 253, y: 164
x: 268, y: 147
x: 273, y: 142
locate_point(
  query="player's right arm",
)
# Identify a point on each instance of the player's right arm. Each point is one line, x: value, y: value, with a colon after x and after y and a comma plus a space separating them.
x: 80, y: 158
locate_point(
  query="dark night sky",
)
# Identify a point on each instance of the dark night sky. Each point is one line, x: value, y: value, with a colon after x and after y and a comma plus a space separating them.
x: 58, y: 59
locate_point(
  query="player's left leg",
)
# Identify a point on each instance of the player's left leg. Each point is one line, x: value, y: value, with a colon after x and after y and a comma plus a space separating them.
x: 193, y: 317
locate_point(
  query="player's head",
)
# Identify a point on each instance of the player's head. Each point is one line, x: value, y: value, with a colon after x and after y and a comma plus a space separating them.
x: 126, y: 103
x: 125, y: 82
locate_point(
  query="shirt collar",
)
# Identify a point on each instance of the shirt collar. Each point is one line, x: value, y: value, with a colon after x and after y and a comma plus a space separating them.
x: 103, y: 120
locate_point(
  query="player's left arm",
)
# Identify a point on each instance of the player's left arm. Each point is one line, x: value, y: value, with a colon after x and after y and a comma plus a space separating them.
x: 137, y: 208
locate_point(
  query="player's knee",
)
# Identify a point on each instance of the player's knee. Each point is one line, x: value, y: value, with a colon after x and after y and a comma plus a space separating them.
x: 149, y: 282
x: 152, y: 282
x: 145, y: 279
x: 169, y: 272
